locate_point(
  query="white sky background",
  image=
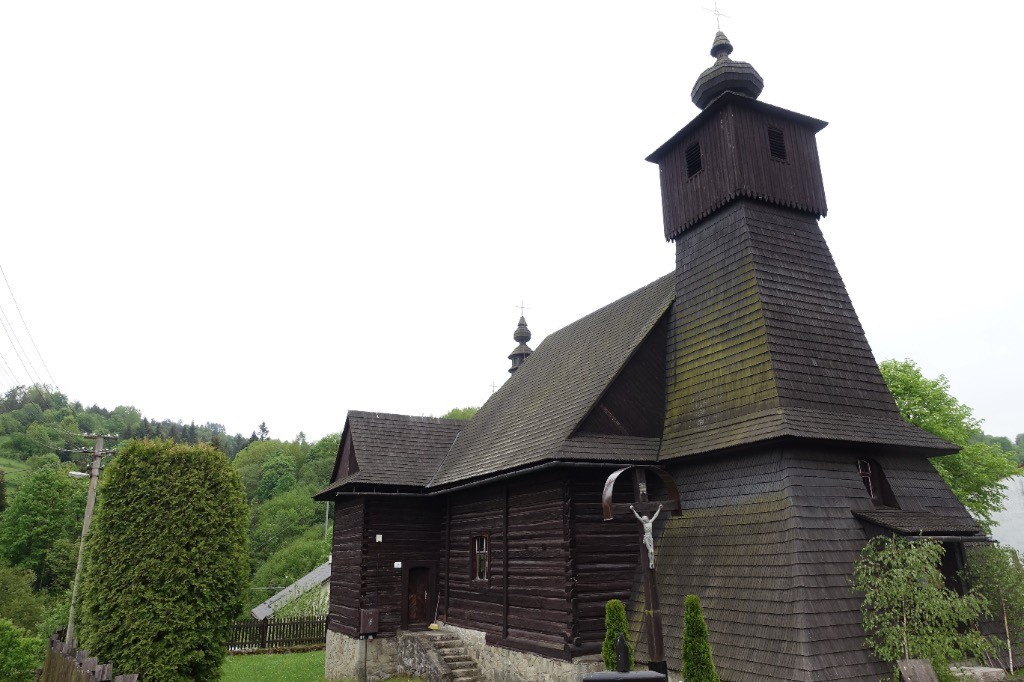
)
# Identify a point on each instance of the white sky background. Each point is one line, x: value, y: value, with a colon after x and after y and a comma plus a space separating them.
x: 248, y: 211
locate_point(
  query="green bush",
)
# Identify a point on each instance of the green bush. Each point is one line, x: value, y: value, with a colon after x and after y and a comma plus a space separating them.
x: 697, y: 663
x: 614, y: 625
x: 20, y: 653
x: 166, y: 562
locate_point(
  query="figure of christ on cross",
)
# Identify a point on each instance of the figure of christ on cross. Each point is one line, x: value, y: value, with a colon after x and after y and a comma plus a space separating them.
x: 648, y: 524
x: 642, y: 506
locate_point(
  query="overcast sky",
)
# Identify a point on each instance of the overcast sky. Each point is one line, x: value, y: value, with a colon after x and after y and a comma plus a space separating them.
x: 249, y: 211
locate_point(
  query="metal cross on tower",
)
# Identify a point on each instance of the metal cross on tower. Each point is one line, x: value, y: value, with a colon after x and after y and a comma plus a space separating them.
x: 718, y: 15
x: 645, y: 510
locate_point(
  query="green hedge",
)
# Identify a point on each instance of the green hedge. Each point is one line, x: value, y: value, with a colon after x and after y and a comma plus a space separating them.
x: 166, y: 561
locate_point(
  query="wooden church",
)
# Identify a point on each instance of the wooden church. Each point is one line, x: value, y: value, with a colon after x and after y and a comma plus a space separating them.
x: 744, y: 373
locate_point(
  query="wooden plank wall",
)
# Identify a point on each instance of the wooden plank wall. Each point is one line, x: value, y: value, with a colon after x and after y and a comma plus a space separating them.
x: 346, y: 558
x: 530, y: 611
x: 411, y: 530
x: 737, y: 163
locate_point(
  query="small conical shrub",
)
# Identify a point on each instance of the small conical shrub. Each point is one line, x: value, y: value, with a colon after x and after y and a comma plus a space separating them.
x: 614, y: 625
x: 697, y: 663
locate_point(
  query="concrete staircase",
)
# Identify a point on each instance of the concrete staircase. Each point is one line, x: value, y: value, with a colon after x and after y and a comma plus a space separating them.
x: 451, y: 649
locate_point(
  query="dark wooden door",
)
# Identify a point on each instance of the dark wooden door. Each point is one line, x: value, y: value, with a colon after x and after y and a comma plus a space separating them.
x: 419, y: 590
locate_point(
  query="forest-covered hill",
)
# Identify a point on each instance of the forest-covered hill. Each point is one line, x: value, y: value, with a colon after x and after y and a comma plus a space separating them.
x: 41, y: 507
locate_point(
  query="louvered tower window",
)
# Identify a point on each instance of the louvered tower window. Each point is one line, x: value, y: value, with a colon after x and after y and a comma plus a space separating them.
x: 693, y: 160
x: 777, y: 144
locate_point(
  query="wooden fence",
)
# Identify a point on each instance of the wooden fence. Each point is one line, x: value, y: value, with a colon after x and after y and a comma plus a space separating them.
x: 275, y: 633
x: 66, y: 664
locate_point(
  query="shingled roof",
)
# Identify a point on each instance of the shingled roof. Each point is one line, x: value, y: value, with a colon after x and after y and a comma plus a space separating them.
x: 530, y: 418
x: 395, y: 449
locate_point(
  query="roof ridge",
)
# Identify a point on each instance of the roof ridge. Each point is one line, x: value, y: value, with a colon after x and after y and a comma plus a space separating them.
x: 426, y: 419
x: 603, y: 308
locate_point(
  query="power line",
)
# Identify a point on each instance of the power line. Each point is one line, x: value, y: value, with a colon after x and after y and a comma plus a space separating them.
x: 27, y: 330
x: 15, y: 348
x: 9, y: 371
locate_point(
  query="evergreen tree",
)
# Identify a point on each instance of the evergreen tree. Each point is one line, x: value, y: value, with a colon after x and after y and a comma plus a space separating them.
x: 3, y: 492
x: 264, y: 432
x: 615, y: 624
x: 698, y: 665
x: 166, y: 561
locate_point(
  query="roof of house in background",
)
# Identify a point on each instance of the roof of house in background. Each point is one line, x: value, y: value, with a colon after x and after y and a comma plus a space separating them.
x: 318, y: 576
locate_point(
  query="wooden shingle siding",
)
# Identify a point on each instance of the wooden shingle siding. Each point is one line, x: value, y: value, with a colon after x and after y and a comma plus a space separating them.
x: 777, y: 527
x: 764, y: 342
x: 346, y: 562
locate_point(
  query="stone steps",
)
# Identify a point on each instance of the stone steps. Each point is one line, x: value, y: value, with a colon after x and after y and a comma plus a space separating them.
x: 451, y: 649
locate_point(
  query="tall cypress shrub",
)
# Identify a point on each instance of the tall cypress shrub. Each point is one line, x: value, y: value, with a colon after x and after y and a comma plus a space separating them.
x: 166, y: 562
x: 697, y: 663
x: 614, y: 625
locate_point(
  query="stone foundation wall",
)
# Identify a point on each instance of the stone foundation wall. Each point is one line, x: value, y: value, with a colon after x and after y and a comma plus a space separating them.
x: 403, y: 655
x: 347, y: 658
x: 418, y: 658
x: 505, y: 665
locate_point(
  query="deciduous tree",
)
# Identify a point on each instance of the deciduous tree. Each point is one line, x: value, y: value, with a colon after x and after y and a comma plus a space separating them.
x: 975, y: 474
x: 997, y: 573
x: 20, y: 653
x: 38, y: 518
x: 908, y: 610
x: 18, y: 603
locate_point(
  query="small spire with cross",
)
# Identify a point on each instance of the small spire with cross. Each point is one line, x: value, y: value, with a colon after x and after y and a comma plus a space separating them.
x: 520, y: 336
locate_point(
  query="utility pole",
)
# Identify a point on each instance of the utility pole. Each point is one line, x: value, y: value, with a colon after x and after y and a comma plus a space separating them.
x: 94, y: 477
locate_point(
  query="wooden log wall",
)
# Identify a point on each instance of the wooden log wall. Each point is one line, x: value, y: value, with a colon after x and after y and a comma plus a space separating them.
x: 411, y: 531
x: 346, y: 562
x: 525, y: 604
x: 605, y: 560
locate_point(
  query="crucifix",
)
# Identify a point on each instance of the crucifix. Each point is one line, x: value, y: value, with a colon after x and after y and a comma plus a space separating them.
x: 646, y: 511
x: 718, y: 15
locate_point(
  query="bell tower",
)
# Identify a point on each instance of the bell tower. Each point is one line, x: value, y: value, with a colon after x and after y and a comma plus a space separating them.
x: 764, y: 342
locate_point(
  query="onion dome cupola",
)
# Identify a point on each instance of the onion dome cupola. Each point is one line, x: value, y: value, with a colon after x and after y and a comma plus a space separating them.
x: 522, y: 351
x: 725, y: 75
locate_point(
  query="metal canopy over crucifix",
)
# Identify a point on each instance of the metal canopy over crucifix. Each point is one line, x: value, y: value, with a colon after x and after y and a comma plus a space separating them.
x: 645, y: 510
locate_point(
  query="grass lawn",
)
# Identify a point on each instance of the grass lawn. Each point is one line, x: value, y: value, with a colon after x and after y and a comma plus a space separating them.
x: 304, y: 667
x: 14, y: 471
